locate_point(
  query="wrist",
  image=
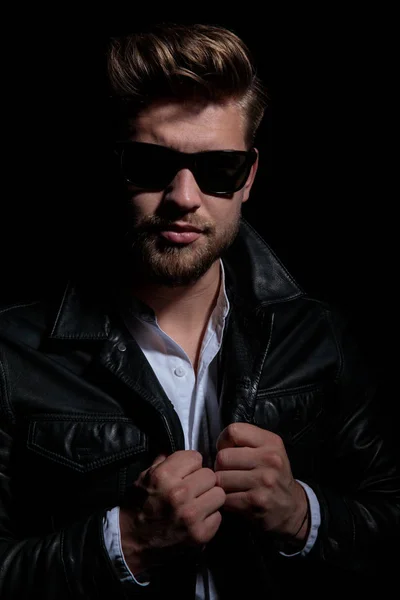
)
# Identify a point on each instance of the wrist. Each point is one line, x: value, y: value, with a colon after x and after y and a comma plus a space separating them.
x: 300, y: 528
x: 294, y: 539
x: 297, y: 528
x: 132, y: 550
x: 301, y: 533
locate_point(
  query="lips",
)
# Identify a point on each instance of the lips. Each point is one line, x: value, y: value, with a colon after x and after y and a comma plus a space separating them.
x: 181, y: 234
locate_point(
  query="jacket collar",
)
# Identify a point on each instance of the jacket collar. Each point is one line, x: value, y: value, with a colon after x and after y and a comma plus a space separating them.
x: 255, y: 277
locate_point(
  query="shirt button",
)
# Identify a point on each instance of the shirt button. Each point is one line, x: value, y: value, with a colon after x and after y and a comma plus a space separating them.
x: 121, y: 347
x: 179, y: 372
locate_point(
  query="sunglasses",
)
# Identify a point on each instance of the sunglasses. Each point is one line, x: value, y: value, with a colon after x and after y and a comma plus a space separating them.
x: 153, y: 167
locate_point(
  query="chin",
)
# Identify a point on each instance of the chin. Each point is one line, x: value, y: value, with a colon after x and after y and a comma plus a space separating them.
x: 178, y: 276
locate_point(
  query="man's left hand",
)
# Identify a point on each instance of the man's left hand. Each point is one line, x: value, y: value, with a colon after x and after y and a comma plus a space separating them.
x: 254, y: 470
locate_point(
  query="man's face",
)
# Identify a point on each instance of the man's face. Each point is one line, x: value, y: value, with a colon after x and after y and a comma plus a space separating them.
x: 177, y: 233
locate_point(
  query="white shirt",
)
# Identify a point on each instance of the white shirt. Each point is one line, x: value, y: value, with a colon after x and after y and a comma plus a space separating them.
x: 195, y: 400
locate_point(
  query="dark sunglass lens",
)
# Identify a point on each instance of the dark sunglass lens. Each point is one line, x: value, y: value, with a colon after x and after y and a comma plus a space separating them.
x: 147, y: 166
x: 222, y: 172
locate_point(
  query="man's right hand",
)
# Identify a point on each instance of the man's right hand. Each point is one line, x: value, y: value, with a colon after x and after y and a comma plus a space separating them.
x: 179, y: 509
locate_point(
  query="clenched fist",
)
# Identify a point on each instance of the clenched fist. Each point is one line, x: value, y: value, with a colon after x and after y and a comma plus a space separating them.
x: 254, y: 470
x: 178, y: 508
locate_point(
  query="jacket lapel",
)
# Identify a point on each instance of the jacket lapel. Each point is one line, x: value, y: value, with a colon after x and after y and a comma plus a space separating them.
x: 256, y: 281
x: 124, y: 359
x: 121, y: 369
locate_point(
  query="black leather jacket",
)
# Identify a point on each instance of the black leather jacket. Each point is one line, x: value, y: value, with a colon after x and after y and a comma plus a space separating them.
x: 82, y: 414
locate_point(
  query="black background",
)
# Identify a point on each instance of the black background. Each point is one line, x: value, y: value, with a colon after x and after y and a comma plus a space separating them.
x: 326, y: 194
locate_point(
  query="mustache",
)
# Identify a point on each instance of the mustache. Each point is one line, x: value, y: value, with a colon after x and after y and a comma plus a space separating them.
x: 155, y: 223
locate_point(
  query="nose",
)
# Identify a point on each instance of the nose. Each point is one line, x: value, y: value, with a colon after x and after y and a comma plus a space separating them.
x: 184, y: 192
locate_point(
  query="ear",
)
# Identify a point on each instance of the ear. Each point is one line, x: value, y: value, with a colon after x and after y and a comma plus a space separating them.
x: 250, y: 180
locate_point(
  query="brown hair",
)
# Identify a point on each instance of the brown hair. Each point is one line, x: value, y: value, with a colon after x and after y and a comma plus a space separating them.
x: 184, y: 62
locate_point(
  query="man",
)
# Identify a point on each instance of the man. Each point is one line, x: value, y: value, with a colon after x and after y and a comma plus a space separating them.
x: 192, y: 426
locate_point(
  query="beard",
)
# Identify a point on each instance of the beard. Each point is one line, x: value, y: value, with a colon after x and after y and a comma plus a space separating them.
x: 160, y: 261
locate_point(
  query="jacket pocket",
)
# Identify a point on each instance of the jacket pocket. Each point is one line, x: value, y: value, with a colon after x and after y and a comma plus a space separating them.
x: 299, y: 417
x: 290, y: 413
x: 85, y: 444
x: 71, y: 465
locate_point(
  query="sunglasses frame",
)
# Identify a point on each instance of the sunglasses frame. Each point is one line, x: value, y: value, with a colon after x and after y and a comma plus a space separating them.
x: 187, y: 160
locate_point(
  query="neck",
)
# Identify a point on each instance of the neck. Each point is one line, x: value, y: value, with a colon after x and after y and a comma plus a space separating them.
x: 190, y: 304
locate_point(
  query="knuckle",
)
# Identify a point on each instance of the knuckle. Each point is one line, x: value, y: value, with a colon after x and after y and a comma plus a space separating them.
x: 203, y: 532
x: 268, y: 478
x: 213, y: 525
x: 220, y: 495
x: 196, y: 457
x: 157, y: 477
x: 233, y: 431
x: 189, y: 516
x: 275, y: 460
x: 221, y: 460
x: 177, y: 496
x: 277, y: 440
x: 210, y: 475
x: 217, y: 520
x: 257, y: 499
x: 180, y: 453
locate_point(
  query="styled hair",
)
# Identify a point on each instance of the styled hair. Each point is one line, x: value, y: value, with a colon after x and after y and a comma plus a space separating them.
x: 203, y: 63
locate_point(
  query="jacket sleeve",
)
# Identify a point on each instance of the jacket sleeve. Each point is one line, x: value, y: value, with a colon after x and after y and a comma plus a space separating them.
x: 359, y: 488
x: 68, y: 564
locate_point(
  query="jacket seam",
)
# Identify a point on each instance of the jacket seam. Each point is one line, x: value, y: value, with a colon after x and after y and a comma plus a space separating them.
x: 95, y: 417
x: 78, y: 336
x: 60, y: 308
x: 299, y: 294
x: 257, y: 379
x: 8, y: 308
x: 5, y: 394
x: 64, y: 566
x: 97, y: 462
x: 274, y: 391
x: 337, y: 344
x: 259, y: 237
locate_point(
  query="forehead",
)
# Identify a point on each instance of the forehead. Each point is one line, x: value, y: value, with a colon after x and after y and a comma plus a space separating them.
x: 191, y: 127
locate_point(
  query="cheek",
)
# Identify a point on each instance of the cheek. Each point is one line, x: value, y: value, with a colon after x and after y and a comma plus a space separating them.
x: 143, y: 204
x: 230, y: 212
x: 226, y: 218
